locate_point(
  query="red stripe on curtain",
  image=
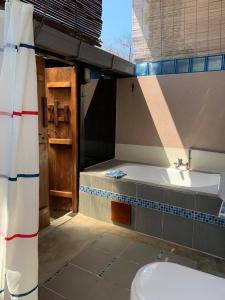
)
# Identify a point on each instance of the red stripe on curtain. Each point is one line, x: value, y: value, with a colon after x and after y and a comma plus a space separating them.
x: 19, y: 113
x: 25, y: 112
x: 21, y: 236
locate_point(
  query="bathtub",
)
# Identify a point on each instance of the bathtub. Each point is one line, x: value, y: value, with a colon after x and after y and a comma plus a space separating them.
x: 158, y: 201
x: 185, y: 179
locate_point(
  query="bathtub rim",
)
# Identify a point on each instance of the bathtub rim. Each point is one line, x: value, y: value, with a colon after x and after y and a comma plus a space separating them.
x: 92, y: 171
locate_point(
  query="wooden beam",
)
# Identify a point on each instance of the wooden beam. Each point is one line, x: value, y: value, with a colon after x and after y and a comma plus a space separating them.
x: 59, y: 84
x: 44, y: 217
x: 63, y: 194
x: 60, y: 141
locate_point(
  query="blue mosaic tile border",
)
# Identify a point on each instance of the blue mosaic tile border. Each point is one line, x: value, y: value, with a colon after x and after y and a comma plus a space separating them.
x: 182, y: 65
x: 162, y: 207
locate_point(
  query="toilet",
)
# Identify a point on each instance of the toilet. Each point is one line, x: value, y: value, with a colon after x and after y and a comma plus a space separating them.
x: 169, y: 281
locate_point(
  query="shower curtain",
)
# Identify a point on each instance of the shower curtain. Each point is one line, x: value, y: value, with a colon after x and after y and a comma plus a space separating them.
x: 19, y: 157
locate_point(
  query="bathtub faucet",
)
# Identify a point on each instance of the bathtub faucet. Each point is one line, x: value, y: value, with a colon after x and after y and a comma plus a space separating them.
x: 180, y: 163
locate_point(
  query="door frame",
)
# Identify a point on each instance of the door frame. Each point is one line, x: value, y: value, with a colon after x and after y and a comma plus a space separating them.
x: 74, y: 128
x: 75, y: 140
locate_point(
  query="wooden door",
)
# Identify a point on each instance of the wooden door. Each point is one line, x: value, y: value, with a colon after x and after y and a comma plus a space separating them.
x: 44, y: 217
x: 62, y: 133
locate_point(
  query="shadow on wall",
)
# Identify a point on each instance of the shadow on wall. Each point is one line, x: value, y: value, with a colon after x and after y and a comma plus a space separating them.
x: 98, y: 114
x: 168, y: 114
x: 196, y: 104
x: 136, y: 128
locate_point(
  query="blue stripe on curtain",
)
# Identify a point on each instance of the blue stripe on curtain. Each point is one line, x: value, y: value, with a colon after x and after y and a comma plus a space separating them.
x: 19, y: 176
x: 24, y: 294
x: 27, y: 46
x: 22, y: 45
x: 1, y: 291
x: 23, y: 176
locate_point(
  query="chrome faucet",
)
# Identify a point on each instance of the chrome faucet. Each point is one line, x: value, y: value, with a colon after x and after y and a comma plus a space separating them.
x: 180, y: 163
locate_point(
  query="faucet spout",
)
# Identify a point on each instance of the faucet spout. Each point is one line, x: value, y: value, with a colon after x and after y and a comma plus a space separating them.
x: 179, y: 163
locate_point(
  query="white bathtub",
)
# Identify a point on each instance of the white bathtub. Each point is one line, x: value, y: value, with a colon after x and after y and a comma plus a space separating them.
x: 191, y: 180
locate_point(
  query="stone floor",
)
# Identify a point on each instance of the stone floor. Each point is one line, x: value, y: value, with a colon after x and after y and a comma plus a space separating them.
x: 85, y: 259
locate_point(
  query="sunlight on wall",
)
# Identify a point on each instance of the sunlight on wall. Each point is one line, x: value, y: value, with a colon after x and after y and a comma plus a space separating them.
x: 87, y: 93
x: 163, y: 120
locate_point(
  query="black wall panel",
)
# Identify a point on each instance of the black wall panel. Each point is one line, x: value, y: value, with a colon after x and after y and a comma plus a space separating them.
x: 98, y: 126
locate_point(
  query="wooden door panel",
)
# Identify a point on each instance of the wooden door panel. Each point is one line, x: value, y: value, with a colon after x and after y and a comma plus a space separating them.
x: 60, y: 167
x: 62, y: 132
x: 44, y: 217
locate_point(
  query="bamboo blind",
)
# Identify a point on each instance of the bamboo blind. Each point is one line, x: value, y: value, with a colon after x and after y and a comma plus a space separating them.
x: 177, y: 28
x: 79, y: 18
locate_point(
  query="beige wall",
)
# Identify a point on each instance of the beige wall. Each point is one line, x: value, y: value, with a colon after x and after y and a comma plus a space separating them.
x: 177, y: 28
x: 159, y: 118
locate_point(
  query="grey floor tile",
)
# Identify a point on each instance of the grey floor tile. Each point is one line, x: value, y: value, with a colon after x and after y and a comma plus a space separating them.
x: 122, y: 273
x: 107, y: 291
x: 67, y: 241
x: 73, y: 283
x: 92, y: 259
x: 181, y: 260
x: 46, y: 294
x: 212, y: 266
x: 142, y: 253
x: 111, y: 243
x: 63, y: 243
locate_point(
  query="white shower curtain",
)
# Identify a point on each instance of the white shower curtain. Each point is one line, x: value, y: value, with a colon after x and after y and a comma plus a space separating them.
x: 19, y: 158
